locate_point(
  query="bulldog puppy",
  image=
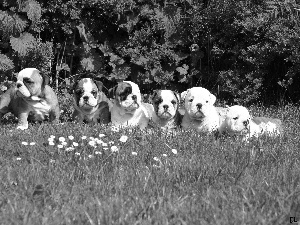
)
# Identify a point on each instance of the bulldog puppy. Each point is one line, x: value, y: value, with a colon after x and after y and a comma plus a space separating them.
x: 200, y: 112
x: 239, y: 122
x: 31, y: 98
x: 90, y: 103
x: 165, y: 106
x: 128, y: 109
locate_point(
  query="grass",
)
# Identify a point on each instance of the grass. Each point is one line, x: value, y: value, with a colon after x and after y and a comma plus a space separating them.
x: 188, y: 178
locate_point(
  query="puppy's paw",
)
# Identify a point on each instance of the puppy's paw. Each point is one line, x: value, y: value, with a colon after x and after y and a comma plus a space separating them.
x: 22, y: 127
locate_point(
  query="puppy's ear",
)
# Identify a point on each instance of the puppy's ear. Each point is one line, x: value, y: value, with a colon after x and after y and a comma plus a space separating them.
x: 177, y: 96
x: 46, y: 79
x: 183, y: 94
x: 74, y: 86
x: 212, y: 99
x: 112, y: 92
x: 99, y: 85
x: 154, y: 95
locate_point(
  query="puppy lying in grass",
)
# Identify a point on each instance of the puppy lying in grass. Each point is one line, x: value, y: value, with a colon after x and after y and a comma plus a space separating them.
x: 239, y: 122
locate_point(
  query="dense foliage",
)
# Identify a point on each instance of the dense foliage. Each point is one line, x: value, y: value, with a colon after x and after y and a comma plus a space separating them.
x: 243, y: 51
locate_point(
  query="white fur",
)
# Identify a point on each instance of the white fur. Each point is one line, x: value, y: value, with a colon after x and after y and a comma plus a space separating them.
x: 39, y: 107
x: 238, y: 121
x: 25, y: 73
x: 207, y: 118
x: 127, y: 114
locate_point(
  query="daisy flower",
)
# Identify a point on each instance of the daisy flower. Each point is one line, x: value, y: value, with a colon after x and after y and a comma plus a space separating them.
x: 123, y: 138
x: 61, y: 139
x: 114, y: 148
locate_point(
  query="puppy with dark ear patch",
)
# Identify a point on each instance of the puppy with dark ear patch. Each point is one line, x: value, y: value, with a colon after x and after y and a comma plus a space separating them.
x: 90, y: 104
x: 165, y: 105
x: 128, y: 109
x: 31, y: 98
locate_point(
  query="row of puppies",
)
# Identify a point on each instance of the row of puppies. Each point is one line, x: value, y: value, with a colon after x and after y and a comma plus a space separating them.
x: 33, y: 99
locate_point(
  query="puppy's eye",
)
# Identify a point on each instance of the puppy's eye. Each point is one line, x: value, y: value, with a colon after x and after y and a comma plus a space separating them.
x: 173, y: 102
x: 94, y: 92
x: 191, y: 100
x: 27, y: 80
x: 235, y: 118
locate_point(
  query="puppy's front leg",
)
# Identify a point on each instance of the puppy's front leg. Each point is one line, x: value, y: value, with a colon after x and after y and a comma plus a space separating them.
x: 22, y: 123
x: 76, y: 116
x: 54, y: 115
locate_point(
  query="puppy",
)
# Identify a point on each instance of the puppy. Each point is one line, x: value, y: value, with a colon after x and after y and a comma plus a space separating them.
x: 128, y: 109
x: 239, y: 122
x: 200, y: 112
x: 90, y: 103
x: 31, y: 98
x: 165, y: 107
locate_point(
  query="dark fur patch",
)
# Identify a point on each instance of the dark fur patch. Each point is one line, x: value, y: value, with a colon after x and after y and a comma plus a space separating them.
x: 121, y: 91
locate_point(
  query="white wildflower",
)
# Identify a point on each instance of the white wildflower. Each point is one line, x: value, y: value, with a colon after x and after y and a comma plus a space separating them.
x: 123, y: 138
x: 114, y: 148
x: 61, y: 139
x: 69, y: 149
x: 92, y: 143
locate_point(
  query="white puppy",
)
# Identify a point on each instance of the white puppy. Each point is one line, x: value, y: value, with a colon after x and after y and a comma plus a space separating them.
x: 239, y: 122
x: 128, y: 109
x: 200, y: 112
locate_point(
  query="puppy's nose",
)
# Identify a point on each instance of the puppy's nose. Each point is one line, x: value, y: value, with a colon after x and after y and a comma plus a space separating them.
x: 199, y: 105
x: 134, y: 97
x: 165, y: 107
x: 19, y: 85
x: 85, y: 98
x: 246, y: 122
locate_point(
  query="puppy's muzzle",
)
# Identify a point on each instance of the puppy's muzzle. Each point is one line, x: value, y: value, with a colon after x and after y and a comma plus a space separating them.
x: 199, y: 106
x: 85, y: 98
x: 166, y: 107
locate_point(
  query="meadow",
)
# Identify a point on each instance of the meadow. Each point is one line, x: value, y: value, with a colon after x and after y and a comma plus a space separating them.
x: 81, y: 174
